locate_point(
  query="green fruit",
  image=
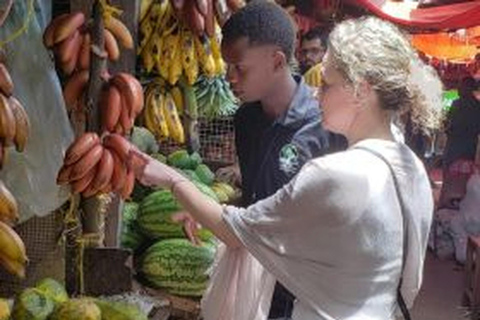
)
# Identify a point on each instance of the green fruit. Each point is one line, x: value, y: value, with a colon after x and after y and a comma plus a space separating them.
x: 205, y: 174
x: 190, y: 174
x: 206, y: 190
x: 144, y: 140
x: 179, y: 159
x: 178, y: 266
x: 53, y: 289
x: 32, y: 304
x: 77, y: 309
x: 119, y: 311
x: 195, y: 160
x: 160, y: 157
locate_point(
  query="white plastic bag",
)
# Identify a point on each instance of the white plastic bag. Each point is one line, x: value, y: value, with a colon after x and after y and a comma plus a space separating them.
x: 467, y: 221
x: 240, y: 288
x: 31, y: 175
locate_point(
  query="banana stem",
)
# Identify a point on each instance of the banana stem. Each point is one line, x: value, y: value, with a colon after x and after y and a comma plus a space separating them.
x: 97, y: 68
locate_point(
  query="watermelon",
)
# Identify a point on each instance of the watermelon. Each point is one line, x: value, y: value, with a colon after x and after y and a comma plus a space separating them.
x: 131, y: 237
x: 156, y: 210
x: 178, y: 266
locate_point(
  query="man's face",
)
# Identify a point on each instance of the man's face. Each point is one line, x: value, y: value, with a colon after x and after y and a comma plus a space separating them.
x: 311, y: 53
x: 250, y: 69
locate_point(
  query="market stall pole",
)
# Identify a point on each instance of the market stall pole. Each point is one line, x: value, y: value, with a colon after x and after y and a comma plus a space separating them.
x: 95, y: 264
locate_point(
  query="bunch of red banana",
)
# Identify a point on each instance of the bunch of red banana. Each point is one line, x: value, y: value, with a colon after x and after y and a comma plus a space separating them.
x: 200, y: 15
x: 96, y: 166
x: 121, y: 101
x: 68, y: 36
x: 14, y: 121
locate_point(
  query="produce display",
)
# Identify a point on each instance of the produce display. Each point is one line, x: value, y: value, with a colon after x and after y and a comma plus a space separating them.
x: 177, y: 38
x: 49, y: 300
x: 167, y: 259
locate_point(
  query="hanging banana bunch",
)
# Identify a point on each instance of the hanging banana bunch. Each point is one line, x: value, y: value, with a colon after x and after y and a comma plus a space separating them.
x: 163, y: 107
x: 183, y: 38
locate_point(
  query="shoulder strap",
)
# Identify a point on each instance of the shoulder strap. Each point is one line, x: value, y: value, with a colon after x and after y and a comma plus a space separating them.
x: 400, y: 300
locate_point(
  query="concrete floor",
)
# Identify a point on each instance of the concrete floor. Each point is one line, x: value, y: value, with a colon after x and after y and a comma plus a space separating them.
x: 441, y: 294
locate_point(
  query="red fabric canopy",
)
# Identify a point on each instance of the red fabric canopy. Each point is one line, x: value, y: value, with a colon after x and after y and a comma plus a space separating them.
x: 454, y: 16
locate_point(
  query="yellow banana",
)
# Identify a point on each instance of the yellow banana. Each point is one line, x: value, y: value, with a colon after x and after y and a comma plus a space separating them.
x: 22, y: 124
x: 7, y: 122
x: 147, y: 57
x: 147, y: 113
x: 178, y: 99
x: 207, y: 62
x: 189, y: 57
x: 12, y: 247
x: 217, y: 54
x: 175, y: 126
x: 4, y: 309
x: 161, y: 117
x: 175, y: 70
x: 14, y: 267
x: 157, y: 48
x: 8, y: 205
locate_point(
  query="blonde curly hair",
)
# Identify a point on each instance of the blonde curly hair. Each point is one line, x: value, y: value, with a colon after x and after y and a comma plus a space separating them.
x: 376, y: 51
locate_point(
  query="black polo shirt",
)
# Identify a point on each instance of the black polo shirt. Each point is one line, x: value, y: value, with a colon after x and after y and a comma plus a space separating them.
x: 271, y: 152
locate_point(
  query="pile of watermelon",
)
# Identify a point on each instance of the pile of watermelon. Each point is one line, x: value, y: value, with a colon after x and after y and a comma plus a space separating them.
x: 167, y: 260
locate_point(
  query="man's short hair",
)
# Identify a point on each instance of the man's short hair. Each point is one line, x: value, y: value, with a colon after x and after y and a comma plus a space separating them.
x: 316, y: 33
x: 262, y: 23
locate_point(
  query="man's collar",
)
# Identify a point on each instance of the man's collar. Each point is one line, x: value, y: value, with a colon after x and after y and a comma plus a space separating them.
x: 300, y: 104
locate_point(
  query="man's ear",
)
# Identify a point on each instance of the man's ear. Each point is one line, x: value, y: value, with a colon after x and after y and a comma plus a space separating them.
x: 279, y: 60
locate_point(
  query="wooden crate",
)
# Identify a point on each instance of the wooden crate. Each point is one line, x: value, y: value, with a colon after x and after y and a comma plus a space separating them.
x: 181, y: 308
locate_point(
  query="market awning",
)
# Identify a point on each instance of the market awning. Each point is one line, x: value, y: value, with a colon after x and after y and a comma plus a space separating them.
x: 453, y: 16
x: 447, y: 46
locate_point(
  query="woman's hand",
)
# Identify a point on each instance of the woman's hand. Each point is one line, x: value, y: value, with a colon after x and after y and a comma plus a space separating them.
x: 190, y: 226
x: 151, y: 172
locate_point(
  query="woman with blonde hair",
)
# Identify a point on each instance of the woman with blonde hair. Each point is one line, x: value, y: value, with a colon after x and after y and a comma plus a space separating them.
x: 351, y: 229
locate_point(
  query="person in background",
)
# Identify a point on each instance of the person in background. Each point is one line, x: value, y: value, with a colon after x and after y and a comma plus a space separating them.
x: 348, y: 235
x: 313, y: 45
x: 463, y: 124
x: 278, y: 127
x: 462, y: 129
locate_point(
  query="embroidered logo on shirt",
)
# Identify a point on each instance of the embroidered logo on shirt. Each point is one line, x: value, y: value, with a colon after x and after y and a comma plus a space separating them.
x: 288, y: 161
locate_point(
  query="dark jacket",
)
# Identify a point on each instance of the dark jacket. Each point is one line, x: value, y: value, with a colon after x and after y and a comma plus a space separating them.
x: 270, y: 153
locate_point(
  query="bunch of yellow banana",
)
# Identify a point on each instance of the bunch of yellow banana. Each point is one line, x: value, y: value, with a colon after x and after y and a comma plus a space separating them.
x: 162, y: 112
x: 171, y: 48
x: 13, y: 256
x: 14, y: 121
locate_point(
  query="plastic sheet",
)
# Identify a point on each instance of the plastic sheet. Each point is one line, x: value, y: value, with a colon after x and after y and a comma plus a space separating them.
x: 31, y: 175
